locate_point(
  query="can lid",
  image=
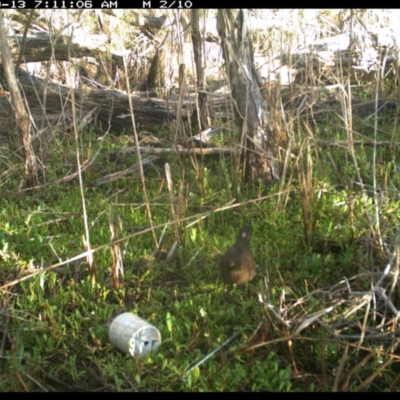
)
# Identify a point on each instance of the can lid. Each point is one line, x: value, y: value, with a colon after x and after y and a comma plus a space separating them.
x: 144, y: 344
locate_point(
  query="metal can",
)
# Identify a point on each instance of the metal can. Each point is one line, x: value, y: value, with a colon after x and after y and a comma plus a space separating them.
x: 133, y: 335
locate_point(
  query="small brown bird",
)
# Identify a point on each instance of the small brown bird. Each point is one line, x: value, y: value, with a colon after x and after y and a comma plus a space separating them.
x: 238, y: 264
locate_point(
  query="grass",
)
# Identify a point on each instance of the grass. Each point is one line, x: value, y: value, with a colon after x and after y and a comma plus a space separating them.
x: 57, y: 319
x: 56, y: 338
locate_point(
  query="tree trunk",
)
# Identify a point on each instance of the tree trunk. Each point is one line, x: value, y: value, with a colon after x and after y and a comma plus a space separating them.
x: 156, y: 75
x: 19, y: 120
x: 204, y: 119
x: 250, y: 108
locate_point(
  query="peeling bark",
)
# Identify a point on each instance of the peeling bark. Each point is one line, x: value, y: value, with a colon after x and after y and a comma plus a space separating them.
x: 249, y: 105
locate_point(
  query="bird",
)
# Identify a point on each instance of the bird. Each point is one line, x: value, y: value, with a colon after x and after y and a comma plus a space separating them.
x: 237, y: 264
